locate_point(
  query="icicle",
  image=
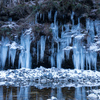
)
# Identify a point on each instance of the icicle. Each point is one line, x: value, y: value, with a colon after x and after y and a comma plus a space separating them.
x: 22, y: 54
x: 38, y: 52
x: 49, y: 15
x: 4, y: 50
x: 66, y: 28
x: 40, y: 16
x: 12, y: 52
x: 78, y: 27
x: 66, y: 38
x: 76, y: 59
x: 76, y: 54
x: 52, y: 61
x: 54, y: 31
x: 66, y: 41
x: 28, y: 57
x: 82, y: 58
x: 36, y: 18
x: 42, y: 41
x: 87, y: 24
x: 55, y: 18
x: 97, y: 26
x: 88, y: 61
x: 67, y: 52
x: 93, y: 58
x: 52, y: 55
x: 90, y: 28
x: 25, y: 57
x: 72, y: 18
x: 12, y: 55
x: 43, y: 17
x: 59, y: 57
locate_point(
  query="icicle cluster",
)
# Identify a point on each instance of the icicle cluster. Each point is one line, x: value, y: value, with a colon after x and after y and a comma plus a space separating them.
x: 84, y: 54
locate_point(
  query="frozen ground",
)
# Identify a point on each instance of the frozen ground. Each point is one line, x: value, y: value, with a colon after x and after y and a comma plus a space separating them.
x: 52, y: 77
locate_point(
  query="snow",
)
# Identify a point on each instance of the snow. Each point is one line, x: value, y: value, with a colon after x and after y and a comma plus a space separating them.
x: 68, y: 48
x: 55, y: 76
x: 53, y: 98
x: 13, y: 45
x: 98, y: 42
x: 92, y: 96
x: 96, y: 91
x: 11, y: 25
x: 93, y: 47
x: 28, y: 31
x: 80, y: 36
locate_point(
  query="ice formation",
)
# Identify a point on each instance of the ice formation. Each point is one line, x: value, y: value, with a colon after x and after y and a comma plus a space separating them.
x: 84, y: 55
x: 72, y: 39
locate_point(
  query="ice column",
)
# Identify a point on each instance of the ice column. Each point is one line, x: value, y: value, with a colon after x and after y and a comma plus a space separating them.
x: 4, y: 50
x: 49, y: 15
x: 42, y: 41
x: 78, y: 54
x: 78, y: 27
x: 36, y: 17
x: 22, y: 54
x: 91, y: 60
x: 12, y: 55
x: 60, y: 55
x: 66, y: 40
x: 72, y: 18
x: 90, y: 29
x: 12, y: 52
x: 88, y: 61
x: 28, y: 57
x: 82, y: 51
x: 38, y: 51
x: 55, y: 18
x: 54, y: 27
x: 25, y: 57
x: 52, y: 55
x: 97, y: 26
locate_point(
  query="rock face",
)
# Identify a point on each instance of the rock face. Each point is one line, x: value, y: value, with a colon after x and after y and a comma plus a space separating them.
x: 23, y: 8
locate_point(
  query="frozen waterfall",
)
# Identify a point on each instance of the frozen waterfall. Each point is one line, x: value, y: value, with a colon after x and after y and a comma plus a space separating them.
x: 82, y: 46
